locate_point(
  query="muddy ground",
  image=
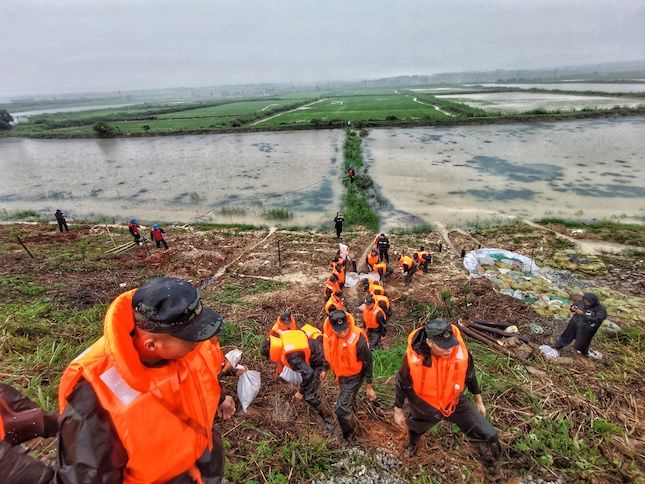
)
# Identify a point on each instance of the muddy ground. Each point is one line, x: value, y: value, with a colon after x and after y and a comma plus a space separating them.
x: 547, y: 414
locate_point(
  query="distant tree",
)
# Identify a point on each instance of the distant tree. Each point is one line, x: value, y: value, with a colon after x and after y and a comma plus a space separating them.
x: 5, y: 119
x: 103, y: 130
x: 146, y: 127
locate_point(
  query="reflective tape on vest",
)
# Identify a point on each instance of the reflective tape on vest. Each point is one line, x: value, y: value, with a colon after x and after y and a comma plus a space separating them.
x: 124, y: 392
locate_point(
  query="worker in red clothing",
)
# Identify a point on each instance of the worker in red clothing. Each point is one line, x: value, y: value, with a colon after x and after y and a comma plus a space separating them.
x: 135, y: 231
x: 157, y: 234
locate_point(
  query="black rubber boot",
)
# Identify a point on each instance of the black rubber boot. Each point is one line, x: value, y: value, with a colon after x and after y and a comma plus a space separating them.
x: 413, y: 444
x: 348, y: 426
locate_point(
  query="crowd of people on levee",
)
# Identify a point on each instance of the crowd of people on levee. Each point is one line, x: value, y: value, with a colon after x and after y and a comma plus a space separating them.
x: 140, y: 404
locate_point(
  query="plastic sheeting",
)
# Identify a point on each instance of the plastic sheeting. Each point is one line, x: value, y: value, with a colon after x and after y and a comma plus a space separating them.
x: 479, y: 257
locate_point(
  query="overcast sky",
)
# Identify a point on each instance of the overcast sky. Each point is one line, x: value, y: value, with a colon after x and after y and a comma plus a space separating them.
x: 62, y: 46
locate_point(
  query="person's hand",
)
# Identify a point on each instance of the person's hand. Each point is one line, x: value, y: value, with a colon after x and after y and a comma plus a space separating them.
x: 323, y: 376
x: 227, y: 408
x: 369, y: 391
x: 399, y: 418
x: 479, y: 404
x: 297, y: 397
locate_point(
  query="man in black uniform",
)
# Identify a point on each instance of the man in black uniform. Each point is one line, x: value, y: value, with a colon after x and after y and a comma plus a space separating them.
x: 587, y: 318
x: 60, y: 218
x: 309, y: 371
x: 338, y: 224
x: 383, y: 245
x: 435, y: 369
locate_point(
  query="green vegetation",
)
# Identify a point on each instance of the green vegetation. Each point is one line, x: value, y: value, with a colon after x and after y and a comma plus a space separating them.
x: 414, y: 229
x: 278, y: 214
x: 356, y: 204
x: 19, y: 215
x: 5, y: 120
x: 609, y: 230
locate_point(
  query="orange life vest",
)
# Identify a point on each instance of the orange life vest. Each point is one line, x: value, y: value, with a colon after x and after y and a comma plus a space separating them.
x: 1, y: 429
x: 331, y: 286
x: 164, y: 415
x: 340, y: 274
x: 289, y: 342
x: 341, y: 353
x: 375, y: 288
x: 440, y: 384
x: 380, y: 268
x: 333, y: 301
x: 311, y: 331
x: 406, y: 261
x: 378, y: 298
x: 279, y: 326
x: 370, y: 316
x: 422, y: 256
x: 327, y: 329
x: 372, y: 259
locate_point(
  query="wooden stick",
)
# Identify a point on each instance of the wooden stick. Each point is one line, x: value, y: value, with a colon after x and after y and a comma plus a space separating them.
x: 474, y: 334
x: 481, y: 327
x: 110, y: 234
x: 25, y: 247
x: 492, y: 323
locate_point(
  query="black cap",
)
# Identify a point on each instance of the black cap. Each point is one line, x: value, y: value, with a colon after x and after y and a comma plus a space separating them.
x: 286, y: 317
x: 440, y: 331
x: 173, y: 306
x: 338, y: 321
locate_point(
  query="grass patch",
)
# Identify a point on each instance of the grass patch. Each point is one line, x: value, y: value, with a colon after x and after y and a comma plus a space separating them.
x: 278, y: 214
x: 609, y: 230
x: 414, y: 230
x: 19, y: 215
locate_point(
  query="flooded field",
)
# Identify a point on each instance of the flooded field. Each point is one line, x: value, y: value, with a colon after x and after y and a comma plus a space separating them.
x: 216, y: 178
x: 575, y: 86
x: 582, y: 169
x: 526, y: 101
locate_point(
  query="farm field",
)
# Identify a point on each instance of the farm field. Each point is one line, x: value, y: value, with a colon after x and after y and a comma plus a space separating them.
x: 381, y: 107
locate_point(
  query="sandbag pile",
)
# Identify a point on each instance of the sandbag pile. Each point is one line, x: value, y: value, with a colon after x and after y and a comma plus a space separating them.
x: 575, y: 261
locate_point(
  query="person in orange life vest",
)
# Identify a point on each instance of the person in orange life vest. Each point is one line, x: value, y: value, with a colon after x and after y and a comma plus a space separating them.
x: 135, y: 231
x: 302, y: 351
x: 382, y: 269
x: 22, y: 420
x: 349, y: 357
x: 339, y: 272
x: 434, y: 373
x: 139, y: 405
x: 284, y: 322
x: 373, y: 287
x: 371, y: 259
x: 331, y: 286
x: 408, y: 267
x: 157, y: 234
x: 374, y: 319
x: 335, y: 302
x: 423, y: 258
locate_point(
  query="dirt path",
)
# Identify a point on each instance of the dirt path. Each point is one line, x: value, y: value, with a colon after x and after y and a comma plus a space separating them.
x: 285, y: 112
x: 433, y: 106
x: 222, y: 270
x: 441, y: 228
x: 592, y: 247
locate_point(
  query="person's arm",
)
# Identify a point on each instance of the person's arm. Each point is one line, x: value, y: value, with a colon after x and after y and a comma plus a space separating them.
x: 381, y: 319
x: 596, y: 316
x: 89, y: 449
x: 473, y: 386
x: 365, y: 356
x: 403, y: 385
x: 16, y: 467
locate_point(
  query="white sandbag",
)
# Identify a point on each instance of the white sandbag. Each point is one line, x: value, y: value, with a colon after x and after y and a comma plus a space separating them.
x: 289, y: 376
x: 352, y: 279
x: 549, y: 352
x: 372, y: 276
x: 248, y: 387
x: 343, y: 251
x: 234, y: 357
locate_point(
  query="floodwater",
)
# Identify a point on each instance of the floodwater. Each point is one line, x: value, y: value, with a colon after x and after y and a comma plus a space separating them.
x: 23, y: 116
x: 581, y: 169
x: 215, y: 178
x: 526, y: 101
x: 612, y: 87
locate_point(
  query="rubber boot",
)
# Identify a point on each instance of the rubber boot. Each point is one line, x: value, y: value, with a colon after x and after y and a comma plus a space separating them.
x: 413, y: 444
x: 348, y: 426
x: 327, y: 415
x: 489, y: 454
